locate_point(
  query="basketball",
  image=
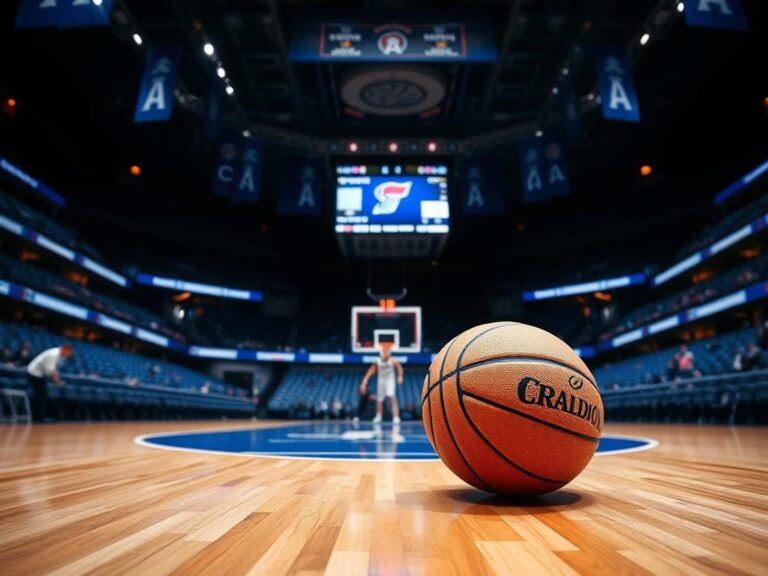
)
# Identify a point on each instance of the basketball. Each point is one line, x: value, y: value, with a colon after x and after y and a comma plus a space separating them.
x: 512, y: 409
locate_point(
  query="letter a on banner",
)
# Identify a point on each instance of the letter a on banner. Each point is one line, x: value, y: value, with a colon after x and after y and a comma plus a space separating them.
x: 617, y: 90
x: 555, y: 169
x: 532, y: 172
x: 300, y: 186
x: 482, y: 186
x: 238, y: 170
x: 156, y: 95
x: 723, y: 14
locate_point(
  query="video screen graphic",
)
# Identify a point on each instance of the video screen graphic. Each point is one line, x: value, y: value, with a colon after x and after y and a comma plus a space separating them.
x: 392, y: 199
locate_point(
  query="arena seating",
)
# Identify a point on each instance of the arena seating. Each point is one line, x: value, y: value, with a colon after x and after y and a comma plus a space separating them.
x: 102, y: 382
x: 35, y: 277
x: 719, y: 285
x: 724, y: 226
x: 737, y: 398
x: 303, y: 388
x: 41, y: 223
x: 712, y: 356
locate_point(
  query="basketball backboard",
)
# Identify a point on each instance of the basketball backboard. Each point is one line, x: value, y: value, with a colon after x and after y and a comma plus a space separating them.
x: 372, y: 326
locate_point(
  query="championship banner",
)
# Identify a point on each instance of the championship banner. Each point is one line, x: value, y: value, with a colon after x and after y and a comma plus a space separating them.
x: 617, y: 89
x: 156, y: 95
x: 300, y: 187
x: 722, y: 14
x: 354, y: 41
x: 482, y: 186
x: 532, y: 172
x: 555, y: 170
x: 63, y: 13
x: 238, y: 169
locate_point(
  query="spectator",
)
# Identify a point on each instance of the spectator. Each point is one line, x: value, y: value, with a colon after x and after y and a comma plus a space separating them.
x: 23, y: 355
x: 322, y: 409
x: 738, y: 360
x: 46, y: 365
x: 671, y: 368
x: 684, y: 362
x: 337, y: 408
x: 753, y: 357
x: 6, y: 357
x: 205, y: 387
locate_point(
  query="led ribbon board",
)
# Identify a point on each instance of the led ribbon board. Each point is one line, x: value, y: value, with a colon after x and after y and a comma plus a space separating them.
x: 48, y: 302
x: 321, y: 357
x: 595, y: 286
x: 199, y: 288
x: 43, y: 241
x: 34, y: 183
x: 698, y: 257
x: 744, y: 296
x: 741, y: 183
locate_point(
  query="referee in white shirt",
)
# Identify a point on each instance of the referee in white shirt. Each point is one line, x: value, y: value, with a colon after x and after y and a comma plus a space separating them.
x: 43, y: 366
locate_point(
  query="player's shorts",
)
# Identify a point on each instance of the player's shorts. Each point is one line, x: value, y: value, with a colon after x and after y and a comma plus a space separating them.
x: 385, y: 388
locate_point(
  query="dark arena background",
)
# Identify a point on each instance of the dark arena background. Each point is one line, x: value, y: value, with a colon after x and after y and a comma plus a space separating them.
x: 216, y: 217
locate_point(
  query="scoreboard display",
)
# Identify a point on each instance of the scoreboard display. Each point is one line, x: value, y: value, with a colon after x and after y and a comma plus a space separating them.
x: 392, y: 199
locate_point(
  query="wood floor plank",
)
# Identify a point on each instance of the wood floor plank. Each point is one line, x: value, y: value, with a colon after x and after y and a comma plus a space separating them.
x: 85, y: 499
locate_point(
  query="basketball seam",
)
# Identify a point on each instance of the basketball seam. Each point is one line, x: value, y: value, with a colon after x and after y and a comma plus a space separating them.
x: 529, y: 417
x: 474, y: 427
x: 448, y: 424
x: 503, y: 360
x: 431, y: 418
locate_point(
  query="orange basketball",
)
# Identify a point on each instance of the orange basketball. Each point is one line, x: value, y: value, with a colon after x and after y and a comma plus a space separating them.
x: 512, y: 409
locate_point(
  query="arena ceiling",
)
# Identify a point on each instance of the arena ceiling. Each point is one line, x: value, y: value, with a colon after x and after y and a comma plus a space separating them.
x: 703, y: 125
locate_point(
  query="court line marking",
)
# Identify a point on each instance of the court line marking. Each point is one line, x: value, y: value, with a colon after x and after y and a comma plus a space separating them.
x: 141, y: 440
x: 650, y: 444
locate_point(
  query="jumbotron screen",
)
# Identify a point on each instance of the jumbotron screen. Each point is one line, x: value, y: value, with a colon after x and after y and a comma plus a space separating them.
x: 392, y: 199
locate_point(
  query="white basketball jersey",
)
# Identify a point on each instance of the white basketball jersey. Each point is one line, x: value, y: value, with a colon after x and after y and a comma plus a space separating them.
x: 386, y: 371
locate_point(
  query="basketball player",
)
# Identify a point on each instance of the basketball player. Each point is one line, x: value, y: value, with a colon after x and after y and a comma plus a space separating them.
x: 384, y: 368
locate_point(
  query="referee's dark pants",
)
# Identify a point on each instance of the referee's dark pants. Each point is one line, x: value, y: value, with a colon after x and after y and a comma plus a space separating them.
x: 40, y: 398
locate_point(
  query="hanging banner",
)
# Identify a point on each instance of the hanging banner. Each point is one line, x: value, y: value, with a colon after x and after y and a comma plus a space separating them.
x: 238, y: 169
x: 482, y: 186
x: 556, y: 180
x: 300, y: 187
x: 532, y: 171
x: 63, y: 13
x: 722, y: 14
x: 617, y: 90
x: 156, y: 94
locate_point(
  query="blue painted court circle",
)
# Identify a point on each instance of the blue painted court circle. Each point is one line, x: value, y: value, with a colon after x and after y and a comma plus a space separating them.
x: 336, y: 441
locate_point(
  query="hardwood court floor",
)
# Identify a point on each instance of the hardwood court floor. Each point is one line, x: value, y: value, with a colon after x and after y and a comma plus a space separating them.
x: 79, y: 499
